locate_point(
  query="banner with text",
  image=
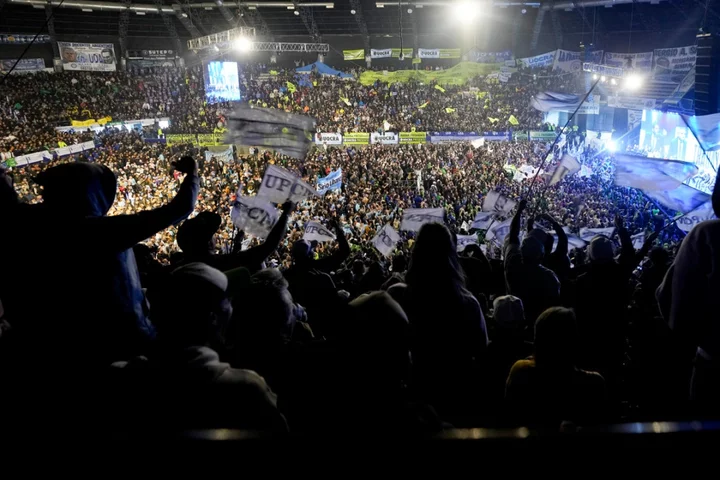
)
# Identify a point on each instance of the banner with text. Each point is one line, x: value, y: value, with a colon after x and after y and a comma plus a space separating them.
x: 390, y: 52
x: 567, y: 61
x: 491, y: 57
x: 387, y: 138
x: 253, y: 215
x: 672, y: 64
x: 95, y: 57
x: 358, y: 54
x: 412, y: 137
x: 279, y: 185
x: 328, y: 139
x: 635, y: 103
x: 356, y: 138
x: 543, y: 60
x: 640, y: 62
x: 386, y: 240
x: 316, y: 232
x: 25, y: 65
x: 438, y: 53
x: 414, y: 218
x: 330, y: 183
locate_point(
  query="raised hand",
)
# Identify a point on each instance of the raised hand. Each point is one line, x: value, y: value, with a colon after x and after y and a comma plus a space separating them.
x: 186, y: 165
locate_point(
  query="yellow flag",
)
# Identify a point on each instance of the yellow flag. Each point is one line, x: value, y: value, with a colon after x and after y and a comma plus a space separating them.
x: 449, y: 110
x: 346, y: 101
x: 438, y: 87
x: 291, y: 87
x: 493, y: 120
x: 424, y: 105
x: 513, y: 121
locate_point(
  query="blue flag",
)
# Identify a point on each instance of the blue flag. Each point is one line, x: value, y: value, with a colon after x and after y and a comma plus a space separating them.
x: 330, y: 183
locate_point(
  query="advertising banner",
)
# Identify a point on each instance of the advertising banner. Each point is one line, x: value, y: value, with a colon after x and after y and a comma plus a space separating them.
x: 567, y: 61
x: 96, y: 57
x: 358, y: 54
x: 438, y: 53
x: 209, y: 139
x: 328, y: 139
x: 22, y: 39
x: 672, y: 64
x: 387, y: 138
x: 358, y: 138
x: 641, y: 62
x: 491, y: 57
x: 543, y: 60
x: 412, y: 137
x: 152, y: 54
x: 390, y: 52
x: 594, y: 57
x: 542, y: 135
x: 174, y: 138
x: 23, y: 66
x: 602, y: 69
x: 440, y: 137
x: 635, y: 103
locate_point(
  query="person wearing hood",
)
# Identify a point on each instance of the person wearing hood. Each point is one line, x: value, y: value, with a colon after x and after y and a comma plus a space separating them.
x: 72, y: 289
x: 525, y: 276
x: 196, y: 238
x: 689, y: 302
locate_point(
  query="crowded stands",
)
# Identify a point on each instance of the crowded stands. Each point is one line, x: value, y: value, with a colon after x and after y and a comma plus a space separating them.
x: 125, y: 259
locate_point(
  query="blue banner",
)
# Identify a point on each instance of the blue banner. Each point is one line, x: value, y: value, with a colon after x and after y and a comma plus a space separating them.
x: 330, y: 183
x: 439, y: 137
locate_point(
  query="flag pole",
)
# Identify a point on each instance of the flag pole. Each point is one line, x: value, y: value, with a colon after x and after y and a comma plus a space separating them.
x: 557, y: 138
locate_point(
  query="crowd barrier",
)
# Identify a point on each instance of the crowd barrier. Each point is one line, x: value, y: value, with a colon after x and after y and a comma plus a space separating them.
x: 82, y: 126
x: 404, y: 138
x: 36, y: 157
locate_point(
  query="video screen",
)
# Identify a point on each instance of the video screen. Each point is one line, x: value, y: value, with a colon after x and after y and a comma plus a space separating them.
x: 665, y: 135
x: 222, y: 82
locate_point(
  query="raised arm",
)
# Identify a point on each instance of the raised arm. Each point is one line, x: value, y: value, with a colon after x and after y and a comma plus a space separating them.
x: 627, y: 251
x: 562, y: 246
x: 514, y: 235
x: 8, y: 196
x: 123, y: 231
x: 336, y: 259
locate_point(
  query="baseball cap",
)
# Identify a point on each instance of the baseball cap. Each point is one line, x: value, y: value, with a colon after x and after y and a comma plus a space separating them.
x: 198, y: 230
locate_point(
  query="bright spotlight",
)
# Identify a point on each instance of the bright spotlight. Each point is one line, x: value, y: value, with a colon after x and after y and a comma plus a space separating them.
x: 595, y: 77
x: 633, y: 81
x: 613, y: 81
x: 603, y: 78
x: 296, y: 13
x: 242, y: 44
x: 612, y: 146
x: 352, y: 12
x: 409, y: 10
x: 465, y: 12
x: 523, y: 11
x: 216, y: 48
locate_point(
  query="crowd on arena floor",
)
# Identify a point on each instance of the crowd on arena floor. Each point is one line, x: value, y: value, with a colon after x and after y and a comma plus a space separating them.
x: 286, y: 334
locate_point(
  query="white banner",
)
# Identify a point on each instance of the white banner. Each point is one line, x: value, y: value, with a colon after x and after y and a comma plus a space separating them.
x: 279, y: 185
x: 588, y: 234
x: 254, y: 215
x: 567, y: 61
x: 672, y: 64
x: 32, y: 158
x: 414, y: 218
x: 384, y: 53
x: 328, y: 139
x: 387, y: 138
x: 635, y: 103
x: 497, y: 203
x: 483, y: 220
x: 60, y: 151
x: 498, y: 232
x: 702, y: 213
x: 465, y: 240
x: 634, y: 119
x: 96, y: 57
x: 428, y: 53
x: 386, y: 240
x: 314, y: 231
x: 594, y: 57
x: 639, y: 62
x: 225, y: 156
x: 638, y: 240
x: 543, y: 60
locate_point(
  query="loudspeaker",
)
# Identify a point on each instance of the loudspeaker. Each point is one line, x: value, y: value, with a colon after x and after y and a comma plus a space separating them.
x: 706, y: 74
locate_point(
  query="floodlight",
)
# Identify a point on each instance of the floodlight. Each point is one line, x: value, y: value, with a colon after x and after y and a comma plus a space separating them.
x: 242, y: 44
x: 612, y: 146
x: 465, y: 12
x: 633, y: 81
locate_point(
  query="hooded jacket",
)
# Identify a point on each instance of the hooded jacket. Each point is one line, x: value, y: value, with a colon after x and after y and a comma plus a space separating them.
x: 69, y: 276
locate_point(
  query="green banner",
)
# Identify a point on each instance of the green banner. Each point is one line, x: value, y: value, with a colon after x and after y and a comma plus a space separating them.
x: 407, y: 52
x: 521, y: 136
x: 457, y: 75
x: 543, y: 135
x: 173, y: 138
x: 413, y: 137
x: 209, y: 139
x: 354, y: 54
x: 358, y: 138
x: 449, y: 53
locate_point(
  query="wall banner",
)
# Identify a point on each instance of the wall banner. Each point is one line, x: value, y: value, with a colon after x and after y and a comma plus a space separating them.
x: 635, y: 103
x: 412, y: 137
x: 328, y: 139
x: 25, y: 65
x: 387, y: 138
x: 358, y: 54
x: 357, y: 138
x: 95, y: 57
x: 543, y: 60
x: 672, y: 64
x: 567, y: 61
x: 390, y: 52
x: 438, y: 52
x: 641, y: 62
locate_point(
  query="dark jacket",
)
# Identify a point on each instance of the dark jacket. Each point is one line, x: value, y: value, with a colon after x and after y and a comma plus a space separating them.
x: 72, y: 279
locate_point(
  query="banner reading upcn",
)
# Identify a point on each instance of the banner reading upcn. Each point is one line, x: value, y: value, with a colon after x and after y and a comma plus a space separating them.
x: 354, y: 54
x: 438, y: 52
x: 412, y: 137
x: 672, y: 64
x: 358, y: 138
x: 96, y: 57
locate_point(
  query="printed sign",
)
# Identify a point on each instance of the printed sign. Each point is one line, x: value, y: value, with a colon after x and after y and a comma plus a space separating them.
x: 640, y: 62
x: 387, y: 138
x: 438, y: 52
x: 23, y: 66
x: 356, y: 138
x: 635, y: 103
x: 328, y: 139
x: 358, y: 54
x: 543, y: 60
x: 96, y: 57
x: 279, y: 185
x: 330, y: 183
x: 672, y: 64
x: 314, y: 231
x: 567, y: 61
x: 412, y: 137
x: 415, y: 218
x: 254, y: 215
x: 386, y: 240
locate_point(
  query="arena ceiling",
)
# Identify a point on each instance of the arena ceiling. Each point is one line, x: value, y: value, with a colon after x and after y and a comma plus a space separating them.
x: 672, y: 18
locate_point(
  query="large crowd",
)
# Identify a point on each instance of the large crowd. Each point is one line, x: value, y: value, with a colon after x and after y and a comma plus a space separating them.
x: 279, y: 333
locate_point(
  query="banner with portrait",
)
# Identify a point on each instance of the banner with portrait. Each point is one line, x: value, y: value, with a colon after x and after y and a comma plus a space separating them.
x: 93, y: 57
x: 672, y: 64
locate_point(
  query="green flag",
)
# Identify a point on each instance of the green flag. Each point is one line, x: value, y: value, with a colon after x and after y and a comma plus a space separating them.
x: 449, y: 110
x: 424, y: 105
x: 493, y: 120
x: 438, y: 87
x: 513, y: 121
x: 346, y: 101
x: 291, y: 87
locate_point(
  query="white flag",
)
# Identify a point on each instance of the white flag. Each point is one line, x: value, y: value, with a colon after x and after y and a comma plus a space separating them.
x: 483, y: 220
x: 414, y: 218
x: 498, y: 203
x: 681, y: 199
x: 315, y: 231
x: 573, y: 241
x: 702, y: 213
x: 253, y: 215
x: 588, y: 234
x: 638, y: 240
x: 567, y: 166
x: 279, y: 185
x: 465, y: 226
x: 498, y: 232
x: 386, y: 240
x: 465, y: 240
x: 478, y: 143
x: 651, y: 174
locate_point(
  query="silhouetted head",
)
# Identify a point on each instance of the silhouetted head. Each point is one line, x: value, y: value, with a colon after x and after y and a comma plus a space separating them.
x: 601, y: 250
x: 78, y: 189
x: 434, y: 262
x: 532, y: 250
x: 197, y: 234
x: 556, y: 338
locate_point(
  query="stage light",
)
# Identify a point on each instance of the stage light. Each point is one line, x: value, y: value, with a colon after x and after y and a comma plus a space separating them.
x: 216, y: 48
x: 352, y: 12
x: 465, y: 12
x: 603, y: 79
x: 523, y: 11
x: 612, y: 146
x: 409, y: 10
x: 184, y: 15
x: 633, y: 81
x: 613, y: 81
x: 242, y: 44
x: 296, y: 13
x: 595, y: 77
